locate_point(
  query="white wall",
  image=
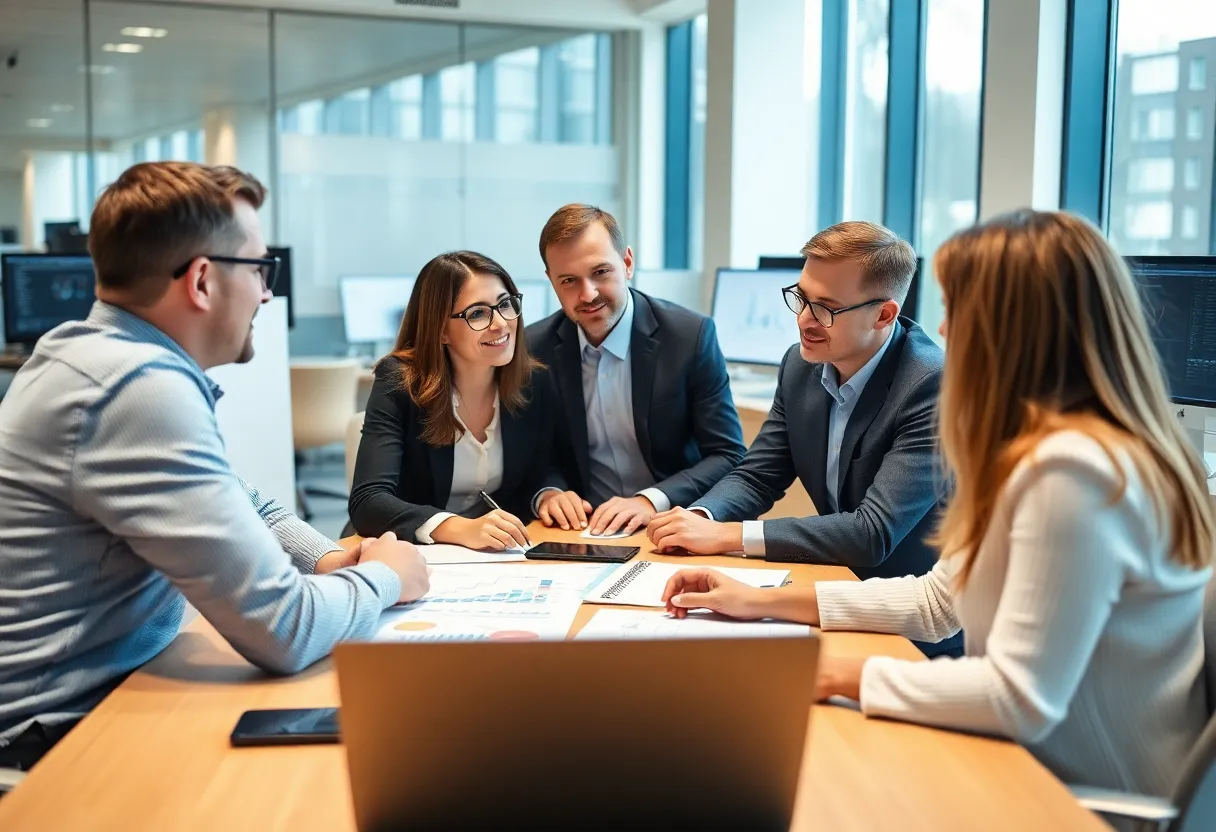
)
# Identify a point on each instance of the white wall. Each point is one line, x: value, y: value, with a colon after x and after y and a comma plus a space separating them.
x: 376, y: 206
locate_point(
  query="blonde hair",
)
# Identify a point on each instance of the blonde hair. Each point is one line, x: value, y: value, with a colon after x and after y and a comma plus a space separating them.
x: 1046, y: 332
x: 887, y: 262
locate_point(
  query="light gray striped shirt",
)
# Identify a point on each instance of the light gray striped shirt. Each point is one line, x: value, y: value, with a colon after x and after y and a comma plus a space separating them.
x: 117, y: 506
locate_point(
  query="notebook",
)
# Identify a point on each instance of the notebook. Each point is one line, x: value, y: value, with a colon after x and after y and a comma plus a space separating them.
x: 640, y: 583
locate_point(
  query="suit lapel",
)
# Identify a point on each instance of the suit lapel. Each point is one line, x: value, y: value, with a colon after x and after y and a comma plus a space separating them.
x: 515, y: 449
x: 569, y: 372
x: 818, y: 407
x: 643, y: 363
x: 441, y: 472
x: 872, y: 399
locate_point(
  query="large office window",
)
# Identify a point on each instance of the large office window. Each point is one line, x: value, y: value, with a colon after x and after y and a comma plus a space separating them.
x: 687, y: 83
x: 950, y: 134
x: 517, y: 96
x: 865, y: 111
x: 1163, y: 143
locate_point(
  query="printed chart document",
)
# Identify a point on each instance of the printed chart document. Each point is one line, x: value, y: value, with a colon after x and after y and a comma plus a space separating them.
x: 646, y: 624
x: 437, y: 553
x: 640, y: 583
x: 470, y: 602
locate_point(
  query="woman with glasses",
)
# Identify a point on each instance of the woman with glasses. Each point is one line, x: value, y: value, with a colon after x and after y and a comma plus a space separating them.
x: 1077, y: 540
x: 457, y: 431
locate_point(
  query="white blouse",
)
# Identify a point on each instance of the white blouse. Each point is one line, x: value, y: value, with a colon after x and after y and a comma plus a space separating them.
x: 1084, y: 638
x: 476, y: 466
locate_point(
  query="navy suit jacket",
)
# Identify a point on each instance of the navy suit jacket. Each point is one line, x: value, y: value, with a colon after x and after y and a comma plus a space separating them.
x: 888, y: 488
x: 687, y: 427
x: 401, y: 482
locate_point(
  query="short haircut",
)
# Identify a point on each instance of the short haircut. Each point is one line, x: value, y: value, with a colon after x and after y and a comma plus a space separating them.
x: 887, y: 262
x: 570, y: 221
x: 158, y: 215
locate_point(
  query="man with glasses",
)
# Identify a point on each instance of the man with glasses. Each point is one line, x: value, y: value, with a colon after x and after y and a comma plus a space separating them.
x: 853, y: 419
x: 649, y: 419
x: 117, y: 504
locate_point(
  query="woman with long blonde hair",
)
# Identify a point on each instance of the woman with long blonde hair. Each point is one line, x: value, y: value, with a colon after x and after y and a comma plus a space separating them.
x: 1077, y: 540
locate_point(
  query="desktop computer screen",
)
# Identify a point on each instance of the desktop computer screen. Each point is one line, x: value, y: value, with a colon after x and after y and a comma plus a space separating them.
x: 372, y: 307
x: 282, y: 285
x: 754, y: 324
x: 1179, y: 295
x: 41, y: 291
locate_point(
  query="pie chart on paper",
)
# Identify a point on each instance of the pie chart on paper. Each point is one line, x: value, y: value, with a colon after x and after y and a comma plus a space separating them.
x: 414, y: 626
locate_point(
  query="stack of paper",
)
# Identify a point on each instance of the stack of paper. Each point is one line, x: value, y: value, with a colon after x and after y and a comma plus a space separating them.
x: 493, y: 601
x: 641, y: 583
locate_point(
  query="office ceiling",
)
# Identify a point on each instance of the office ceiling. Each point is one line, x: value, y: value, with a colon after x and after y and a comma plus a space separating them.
x: 210, y: 58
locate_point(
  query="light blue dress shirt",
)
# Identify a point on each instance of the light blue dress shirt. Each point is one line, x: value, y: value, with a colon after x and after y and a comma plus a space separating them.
x: 117, y: 506
x: 616, y: 464
x: 845, y: 398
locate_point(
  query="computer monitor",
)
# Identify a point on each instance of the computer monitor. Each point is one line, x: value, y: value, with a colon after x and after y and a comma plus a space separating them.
x: 65, y: 238
x: 754, y: 324
x: 41, y: 291
x: 1179, y: 295
x: 781, y: 261
x: 282, y: 284
x: 372, y: 307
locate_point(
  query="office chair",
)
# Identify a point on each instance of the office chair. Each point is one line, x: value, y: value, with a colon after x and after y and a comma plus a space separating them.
x: 322, y: 403
x: 1192, y: 807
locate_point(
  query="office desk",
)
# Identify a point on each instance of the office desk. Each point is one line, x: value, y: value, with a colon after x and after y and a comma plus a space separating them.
x: 154, y: 755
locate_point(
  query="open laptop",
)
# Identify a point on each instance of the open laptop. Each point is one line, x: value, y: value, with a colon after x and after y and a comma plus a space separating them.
x: 681, y: 734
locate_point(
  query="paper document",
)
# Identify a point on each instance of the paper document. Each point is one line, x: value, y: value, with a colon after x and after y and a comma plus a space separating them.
x: 644, y: 624
x: 492, y: 601
x: 436, y: 553
x: 615, y: 536
x: 640, y: 583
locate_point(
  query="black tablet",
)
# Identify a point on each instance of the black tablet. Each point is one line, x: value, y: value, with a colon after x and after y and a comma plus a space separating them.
x: 581, y: 551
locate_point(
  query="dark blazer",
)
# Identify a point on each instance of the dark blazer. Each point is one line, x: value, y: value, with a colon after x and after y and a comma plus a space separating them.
x: 687, y: 427
x: 401, y: 482
x: 890, y: 477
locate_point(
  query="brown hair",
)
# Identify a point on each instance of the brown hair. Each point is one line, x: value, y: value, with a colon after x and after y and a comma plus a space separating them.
x: 1046, y: 332
x: 570, y: 221
x: 426, y: 370
x: 887, y: 262
x: 158, y: 215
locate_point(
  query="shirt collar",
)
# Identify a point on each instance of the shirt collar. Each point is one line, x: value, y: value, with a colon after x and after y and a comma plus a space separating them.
x: 618, y: 340
x: 859, y: 380
x: 491, y: 428
x: 136, y: 328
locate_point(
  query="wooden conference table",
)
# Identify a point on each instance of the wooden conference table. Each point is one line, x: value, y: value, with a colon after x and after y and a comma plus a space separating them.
x: 155, y: 755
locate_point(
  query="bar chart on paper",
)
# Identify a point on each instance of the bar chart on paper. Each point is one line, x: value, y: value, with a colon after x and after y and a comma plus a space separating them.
x: 492, y: 601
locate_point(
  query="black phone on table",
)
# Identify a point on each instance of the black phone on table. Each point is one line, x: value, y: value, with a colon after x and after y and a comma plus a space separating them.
x: 286, y: 726
x: 594, y: 552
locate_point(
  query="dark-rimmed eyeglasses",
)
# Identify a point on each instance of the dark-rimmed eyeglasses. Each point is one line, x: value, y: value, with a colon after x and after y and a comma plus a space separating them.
x: 268, y: 267
x: 479, y: 315
x: 826, y: 316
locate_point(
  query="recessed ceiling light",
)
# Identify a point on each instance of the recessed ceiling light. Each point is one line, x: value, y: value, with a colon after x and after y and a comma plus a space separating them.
x: 62, y: 108
x: 124, y: 48
x: 143, y: 32
x: 38, y: 122
x: 97, y: 69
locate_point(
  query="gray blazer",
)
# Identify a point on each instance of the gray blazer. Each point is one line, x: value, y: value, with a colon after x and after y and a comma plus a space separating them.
x: 890, y: 479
